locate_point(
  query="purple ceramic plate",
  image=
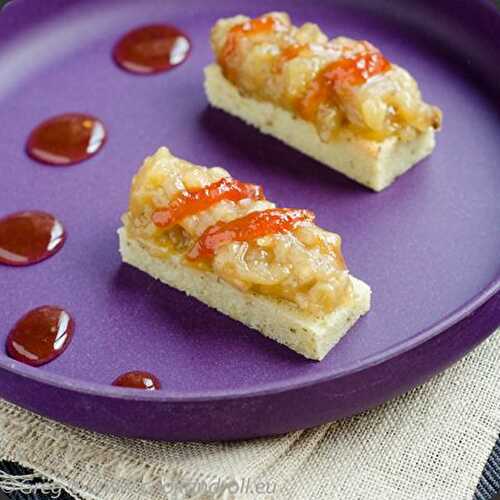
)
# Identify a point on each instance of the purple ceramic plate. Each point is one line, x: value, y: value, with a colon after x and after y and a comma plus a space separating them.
x: 429, y: 246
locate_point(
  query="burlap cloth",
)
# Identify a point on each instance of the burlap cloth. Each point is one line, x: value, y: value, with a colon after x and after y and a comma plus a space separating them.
x: 431, y: 443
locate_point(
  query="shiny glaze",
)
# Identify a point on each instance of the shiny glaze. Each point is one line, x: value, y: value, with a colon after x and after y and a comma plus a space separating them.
x: 152, y: 49
x: 288, y: 53
x: 40, y: 335
x: 66, y: 139
x: 29, y: 237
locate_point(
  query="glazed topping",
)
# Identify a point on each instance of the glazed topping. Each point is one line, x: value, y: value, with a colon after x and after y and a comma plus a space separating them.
x: 251, y: 27
x: 248, y: 242
x: 336, y: 84
x: 192, y: 202
x: 250, y: 227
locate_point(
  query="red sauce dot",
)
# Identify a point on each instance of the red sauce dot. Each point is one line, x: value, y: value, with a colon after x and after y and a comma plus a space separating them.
x: 152, y: 49
x: 138, y: 380
x: 40, y: 335
x: 29, y: 237
x: 66, y: 139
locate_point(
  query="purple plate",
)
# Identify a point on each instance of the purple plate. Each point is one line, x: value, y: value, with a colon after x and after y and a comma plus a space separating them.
x: 429, y: 246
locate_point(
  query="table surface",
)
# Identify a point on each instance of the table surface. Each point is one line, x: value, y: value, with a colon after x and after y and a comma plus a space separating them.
x: 488, y: 487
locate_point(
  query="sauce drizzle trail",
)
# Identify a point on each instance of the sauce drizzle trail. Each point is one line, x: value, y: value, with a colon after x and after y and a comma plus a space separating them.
x: 40, y: 335
x: 249, y: 227
x: 66, y: 139
x: 152, y: 49
x: 192, y: 202
x: 138, y: 380
x: 29, y: 237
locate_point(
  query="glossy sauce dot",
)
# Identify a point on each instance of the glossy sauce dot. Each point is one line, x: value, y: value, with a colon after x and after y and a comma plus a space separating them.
x: 66, y: 139
x: 138, y: 380
x: 152, y: 49
x: 40, y: 335
x: 29, y: 237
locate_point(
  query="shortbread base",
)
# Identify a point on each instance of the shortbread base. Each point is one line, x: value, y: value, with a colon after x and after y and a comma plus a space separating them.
x: 280, y: 320
x: 375, y: 164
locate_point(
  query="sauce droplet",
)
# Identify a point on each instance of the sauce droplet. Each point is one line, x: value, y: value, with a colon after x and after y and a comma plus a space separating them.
x: 66, y: 139
x: 29, y: 237
x: 138, y: 380
x: 152, y: 49
x: 40, y: 335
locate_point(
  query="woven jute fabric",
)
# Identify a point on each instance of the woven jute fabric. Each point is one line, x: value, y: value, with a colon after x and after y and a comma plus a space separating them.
x: 431, y: 443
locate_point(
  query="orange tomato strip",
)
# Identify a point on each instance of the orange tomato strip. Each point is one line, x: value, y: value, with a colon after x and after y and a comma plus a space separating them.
x: 250, y: 227
x: 341, y: 74
x: 189, y: 203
